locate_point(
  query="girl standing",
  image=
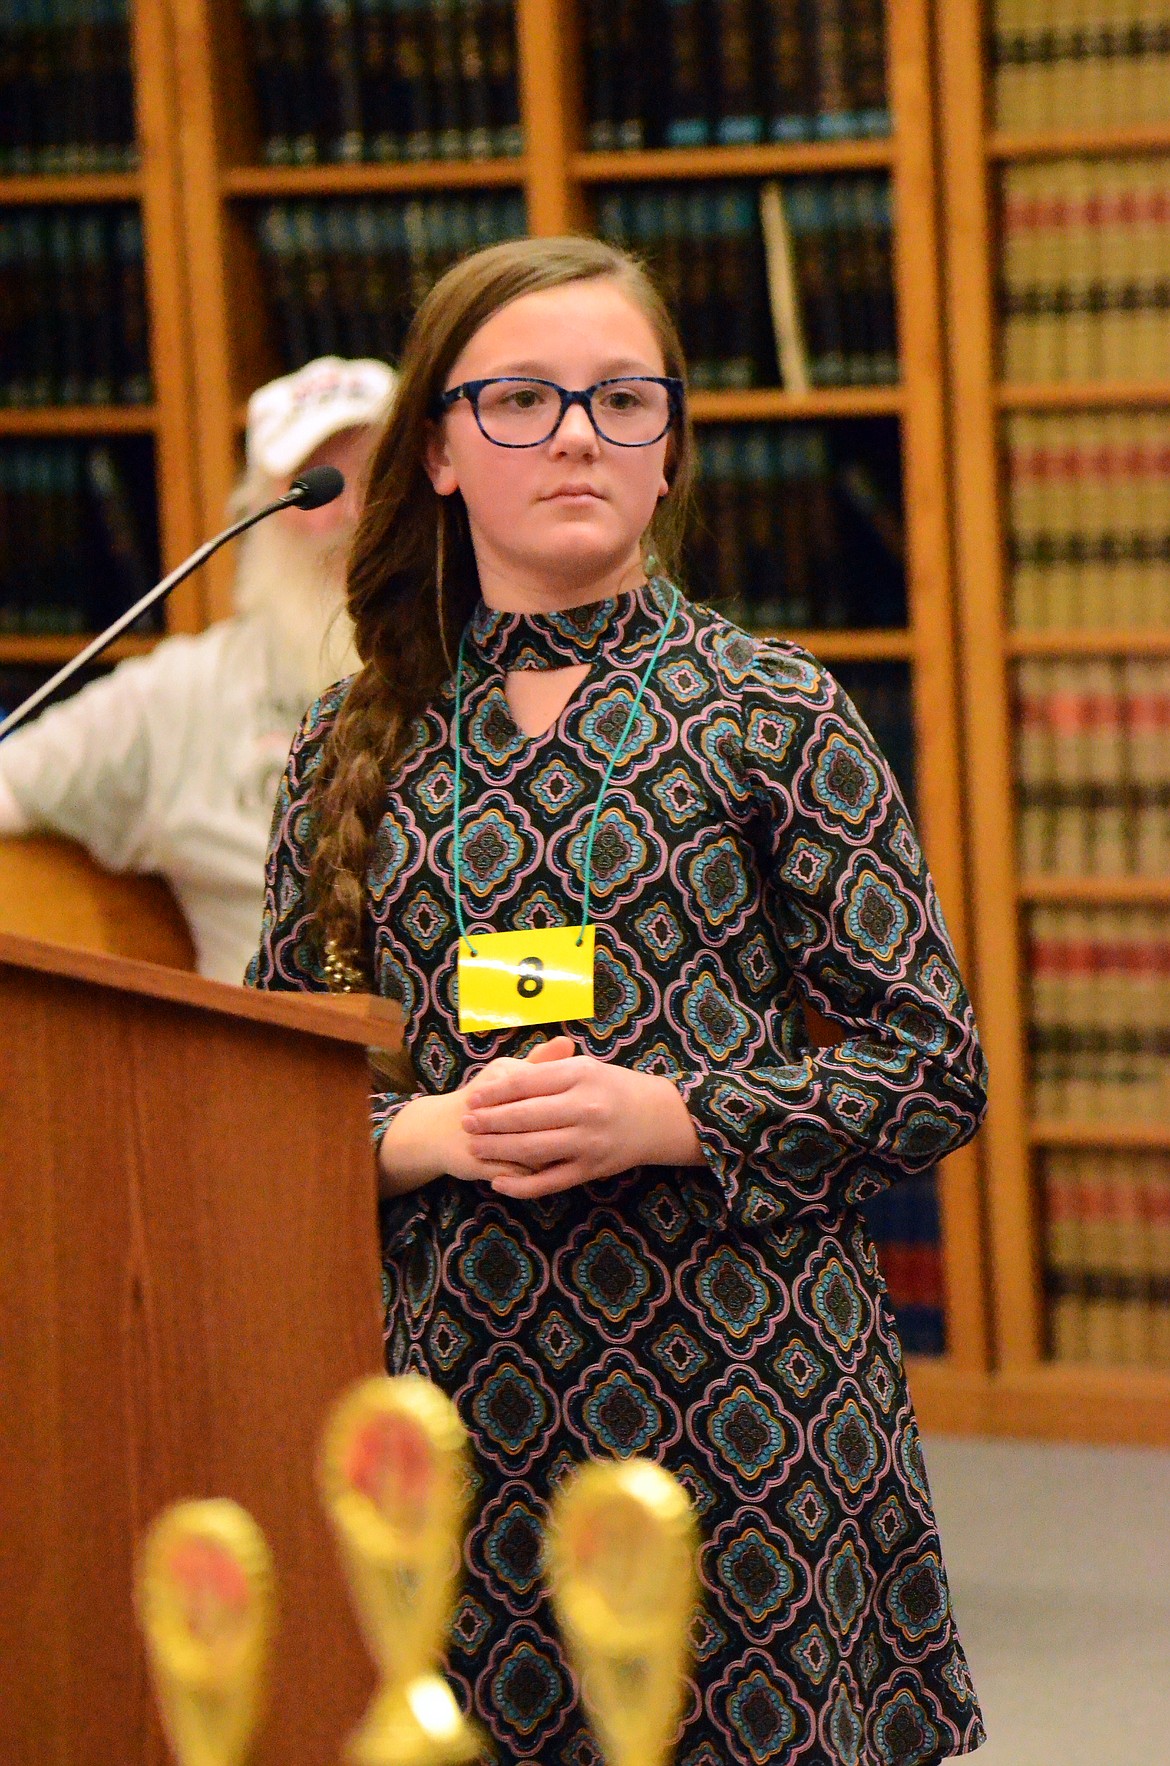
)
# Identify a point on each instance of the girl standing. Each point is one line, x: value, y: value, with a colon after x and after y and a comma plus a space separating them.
x: 633, y: 1230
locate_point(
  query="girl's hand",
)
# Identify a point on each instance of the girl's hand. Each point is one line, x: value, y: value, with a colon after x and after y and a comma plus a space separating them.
x: 428, y: 1139
x: 570, y: 1119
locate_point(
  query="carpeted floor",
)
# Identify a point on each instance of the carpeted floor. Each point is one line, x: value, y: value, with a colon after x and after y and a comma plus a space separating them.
x: 1059, y: 1563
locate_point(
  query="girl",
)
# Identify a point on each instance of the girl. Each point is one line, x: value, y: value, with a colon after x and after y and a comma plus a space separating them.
x: 634, y: 1231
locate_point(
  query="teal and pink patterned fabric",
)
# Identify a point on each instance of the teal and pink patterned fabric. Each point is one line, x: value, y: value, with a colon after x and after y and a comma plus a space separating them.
x: 728, y: 1320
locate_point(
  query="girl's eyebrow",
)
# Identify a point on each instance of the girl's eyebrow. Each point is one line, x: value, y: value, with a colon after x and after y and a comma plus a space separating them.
x: 542, y: 371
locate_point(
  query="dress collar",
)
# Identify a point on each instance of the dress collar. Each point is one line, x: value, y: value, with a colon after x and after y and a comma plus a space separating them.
x: 616, y: 630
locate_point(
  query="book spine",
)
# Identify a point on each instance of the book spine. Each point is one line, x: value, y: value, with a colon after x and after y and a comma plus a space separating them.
x: 865, y: 66
x: 503, y: 78
x: 1065, y: 1267
x: 473, y: 44
x: 688, y: 59
x: 834, y: 119
x: 600, y: 66
x: 740, y: 98
x: 381, y: 99
x: 413, y: 56
x: 342, y: 133
x: 788, y: 59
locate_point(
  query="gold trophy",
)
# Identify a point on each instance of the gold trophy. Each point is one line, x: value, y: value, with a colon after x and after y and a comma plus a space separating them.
x: 620, y: 1561
x: 393, y: 1477
x: 205, y: 1600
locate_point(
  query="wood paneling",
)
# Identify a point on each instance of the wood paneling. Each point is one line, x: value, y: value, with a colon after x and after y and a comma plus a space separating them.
x: 191, y: 1278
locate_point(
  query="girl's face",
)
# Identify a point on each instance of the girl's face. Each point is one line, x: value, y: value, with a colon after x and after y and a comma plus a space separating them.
x: 561, y: 522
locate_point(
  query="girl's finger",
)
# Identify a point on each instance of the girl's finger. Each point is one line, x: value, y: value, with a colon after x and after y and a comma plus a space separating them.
x: 527, y: 1080
x: 526, y: 1116
x: 533, y: 1151
x: 557, y: 1048
x: 541, y: 1183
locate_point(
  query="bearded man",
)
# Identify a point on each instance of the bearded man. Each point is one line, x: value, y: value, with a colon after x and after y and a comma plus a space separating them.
x: 170, y: 764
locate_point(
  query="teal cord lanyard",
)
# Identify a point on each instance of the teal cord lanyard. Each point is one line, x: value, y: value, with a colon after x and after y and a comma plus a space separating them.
x: 613, y: 760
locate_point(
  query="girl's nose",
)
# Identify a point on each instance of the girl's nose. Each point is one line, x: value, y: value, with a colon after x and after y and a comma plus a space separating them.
x: 575, y: 429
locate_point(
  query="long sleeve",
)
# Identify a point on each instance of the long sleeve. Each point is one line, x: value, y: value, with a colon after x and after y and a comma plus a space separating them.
x: 83, y: 768
x: 289, y: 958
x: 847, y: 890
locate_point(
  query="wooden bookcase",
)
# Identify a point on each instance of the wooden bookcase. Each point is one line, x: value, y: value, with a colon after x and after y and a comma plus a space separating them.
x: 219, y: 149
x: 155, y: 187
x: 201, y: 177
x: 1027, y: 1393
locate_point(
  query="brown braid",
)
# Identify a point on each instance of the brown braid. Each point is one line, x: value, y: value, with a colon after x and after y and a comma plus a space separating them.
x: 393, y: 594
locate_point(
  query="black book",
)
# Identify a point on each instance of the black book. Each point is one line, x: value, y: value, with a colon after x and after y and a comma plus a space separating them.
x: 413, y: 55
x: 447, y: 74
x: 601, y: 72
x: 383, y: 96
x: 688, y: 61
x: 630, y: 51
x: 740, y: 87
x: 114, y: 101
x: 100, y: 305
x: 342, y: 133
x: 474, y: 50
x: 503, y: 77
x: 789, y: 69
x: 133, y: 379
x: 833, y: 116
x: 865, y: 66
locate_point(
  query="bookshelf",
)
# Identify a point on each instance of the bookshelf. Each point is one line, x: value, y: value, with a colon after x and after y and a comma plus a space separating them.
x: 1037, y: 1385
x: 203, y: 182
x: 152, y: 190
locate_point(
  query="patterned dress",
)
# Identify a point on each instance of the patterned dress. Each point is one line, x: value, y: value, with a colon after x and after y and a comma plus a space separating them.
x: 728, y: 1320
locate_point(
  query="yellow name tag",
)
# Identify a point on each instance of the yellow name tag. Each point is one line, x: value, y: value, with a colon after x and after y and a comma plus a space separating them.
x: 518, y: 978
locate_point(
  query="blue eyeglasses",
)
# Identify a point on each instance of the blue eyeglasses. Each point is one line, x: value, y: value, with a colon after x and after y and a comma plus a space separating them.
x: 515, y: 411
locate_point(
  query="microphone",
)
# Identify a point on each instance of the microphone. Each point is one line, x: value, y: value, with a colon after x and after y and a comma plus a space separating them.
x: 312, y: 490
x: 317, y: 486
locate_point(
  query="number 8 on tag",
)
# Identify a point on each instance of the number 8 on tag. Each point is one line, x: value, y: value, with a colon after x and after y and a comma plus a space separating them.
x: 511, y: 979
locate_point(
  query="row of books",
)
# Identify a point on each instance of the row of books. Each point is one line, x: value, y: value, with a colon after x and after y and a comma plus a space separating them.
x: 1086, y: 270
x: 78, y: 534
x: 1100, y: 1013
x: 1093, y: 762
x: 353, y: 80
x: 1107, y: 1256
x: 799, y: 526
x: 771, y: 284
x: 686, y: 73
x: 1063, y: 64
x: 345, y: 277
x: 904, y: 1222
x: 73, y: 326
x: 66, y: 87
x: 1089, y: 503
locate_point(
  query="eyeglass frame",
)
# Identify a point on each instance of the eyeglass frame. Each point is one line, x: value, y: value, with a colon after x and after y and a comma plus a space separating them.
x: 471, y: 390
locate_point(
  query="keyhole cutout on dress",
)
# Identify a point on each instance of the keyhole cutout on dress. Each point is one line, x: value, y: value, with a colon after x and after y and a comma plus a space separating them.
x: 537, y: 696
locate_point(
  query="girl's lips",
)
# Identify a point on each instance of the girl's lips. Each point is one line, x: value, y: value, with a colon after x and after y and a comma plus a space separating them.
x: 573, y: 493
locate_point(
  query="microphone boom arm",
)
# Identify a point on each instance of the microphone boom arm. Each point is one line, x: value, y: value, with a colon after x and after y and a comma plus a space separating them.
x: 299, y: 496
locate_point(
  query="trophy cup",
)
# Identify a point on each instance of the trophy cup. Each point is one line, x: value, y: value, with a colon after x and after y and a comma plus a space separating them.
x: 205, y: 1598
x: 393, y: 1480
x: 620, y: 1562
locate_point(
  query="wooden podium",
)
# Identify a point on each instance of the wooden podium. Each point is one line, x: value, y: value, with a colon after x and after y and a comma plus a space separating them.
x: 188, y: 1279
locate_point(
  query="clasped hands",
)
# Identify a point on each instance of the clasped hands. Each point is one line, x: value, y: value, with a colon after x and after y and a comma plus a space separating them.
x: 558, y: 1119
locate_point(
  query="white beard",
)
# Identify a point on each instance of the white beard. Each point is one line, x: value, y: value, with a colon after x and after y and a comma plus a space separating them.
x: 295, y: 584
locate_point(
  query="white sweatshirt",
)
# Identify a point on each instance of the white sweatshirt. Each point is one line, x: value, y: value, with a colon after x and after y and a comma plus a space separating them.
x: 170, y: 764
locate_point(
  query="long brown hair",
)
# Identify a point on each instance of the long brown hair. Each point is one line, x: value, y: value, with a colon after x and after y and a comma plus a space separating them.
x: 412, y: 581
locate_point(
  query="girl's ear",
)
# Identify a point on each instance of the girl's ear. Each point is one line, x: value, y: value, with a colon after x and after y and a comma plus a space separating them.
x: 437, y: 460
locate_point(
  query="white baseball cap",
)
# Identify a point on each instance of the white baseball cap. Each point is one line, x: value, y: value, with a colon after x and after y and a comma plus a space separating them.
x: 291, y: 416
